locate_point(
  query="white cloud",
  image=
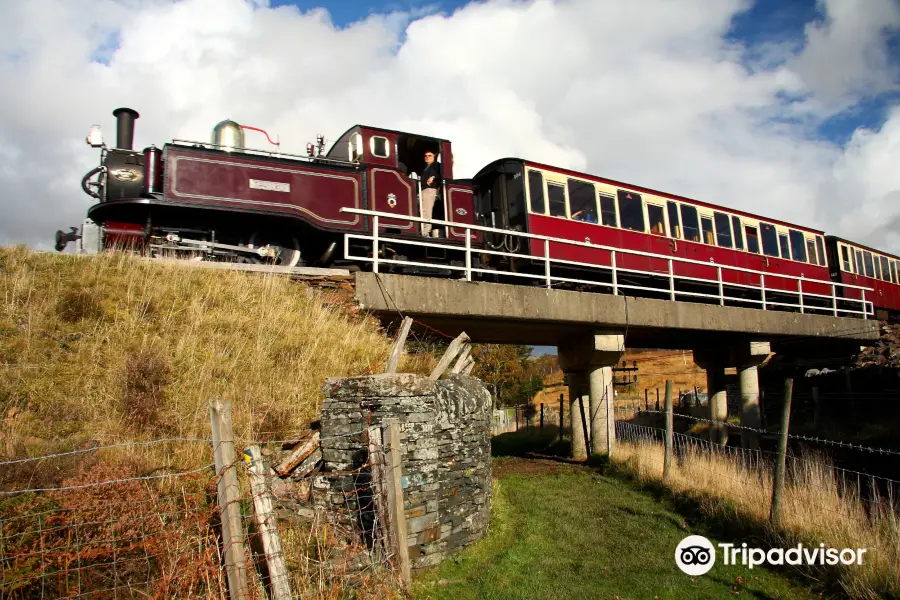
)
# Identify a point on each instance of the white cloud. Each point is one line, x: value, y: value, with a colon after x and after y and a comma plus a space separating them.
x: 645, y: 91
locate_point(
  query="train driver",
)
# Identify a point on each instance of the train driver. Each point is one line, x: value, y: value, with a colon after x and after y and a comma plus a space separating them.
x: 432, y: 178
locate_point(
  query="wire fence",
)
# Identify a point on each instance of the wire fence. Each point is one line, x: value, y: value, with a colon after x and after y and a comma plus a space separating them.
x: 107, y: 530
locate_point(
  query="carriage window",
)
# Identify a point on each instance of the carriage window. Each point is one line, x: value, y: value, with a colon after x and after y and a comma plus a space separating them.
x: 798, y: 248
x: 674, y: 224
x: 556, y: 193
x: 877, y: 267
x: 380, y: 146
x: 690, y: 222
x: 769, y: 239
x: 608, y: 210
x: 657, y: 220
x: 870, y: 266
x: 582, y: 204
x: 858, y: 264
x: 723, y: 230
x: 811, y: 251
x: 752, y: 239
x: 708, y: 236
x: 845, y: 259
x: 893, y: 272
x: 785, y: 247
x: 820, y: 250
x: 631, y: 211
x: 885, y: 269
x: 738, y: 238
x: 536, y: 191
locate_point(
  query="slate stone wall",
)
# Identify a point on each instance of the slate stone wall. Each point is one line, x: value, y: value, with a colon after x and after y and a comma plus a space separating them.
x: 446, y: 453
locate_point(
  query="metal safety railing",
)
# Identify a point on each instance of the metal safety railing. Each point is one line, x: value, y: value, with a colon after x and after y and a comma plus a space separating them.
x: 857, y: 306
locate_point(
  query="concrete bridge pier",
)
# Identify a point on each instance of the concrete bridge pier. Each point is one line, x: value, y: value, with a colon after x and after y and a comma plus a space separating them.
x: 579, y: 404
x: 745, y: 357
x: 594, y: 356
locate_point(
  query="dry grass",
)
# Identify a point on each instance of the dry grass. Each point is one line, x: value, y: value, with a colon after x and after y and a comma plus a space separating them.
x: 111, y: 348
x: 815, y: 509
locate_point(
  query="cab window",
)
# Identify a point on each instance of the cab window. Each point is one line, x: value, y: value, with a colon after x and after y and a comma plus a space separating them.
x: 674, y: 223
x: 769, y: 239
x: 536, y: 191
x: 656, y: 218
x: 608, y: 210
x: 723, y: 230
x: 582, y: 205
x: 690, y: 222
x: 379, y: 146
x: 556, y: 194
x: 631, y: 210
x: 708, y: 235
x: 752, y: 239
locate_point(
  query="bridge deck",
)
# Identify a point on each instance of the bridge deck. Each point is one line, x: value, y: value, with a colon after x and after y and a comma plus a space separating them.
x: 500, y: 313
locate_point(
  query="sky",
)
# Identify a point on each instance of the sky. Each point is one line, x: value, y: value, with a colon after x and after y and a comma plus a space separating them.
x: 790, y: 109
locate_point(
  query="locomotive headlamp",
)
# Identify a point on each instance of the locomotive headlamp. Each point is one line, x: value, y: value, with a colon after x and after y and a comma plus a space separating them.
x: 95, y: 137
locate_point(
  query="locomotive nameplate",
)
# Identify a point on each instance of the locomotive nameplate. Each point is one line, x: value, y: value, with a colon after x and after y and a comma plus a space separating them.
x: 272, y: 186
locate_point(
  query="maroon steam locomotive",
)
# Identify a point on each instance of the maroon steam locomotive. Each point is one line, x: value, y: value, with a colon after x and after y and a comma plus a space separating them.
x: 223, y: 201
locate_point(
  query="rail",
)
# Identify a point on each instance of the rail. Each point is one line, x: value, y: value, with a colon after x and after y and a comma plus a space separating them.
x: 863, y: 308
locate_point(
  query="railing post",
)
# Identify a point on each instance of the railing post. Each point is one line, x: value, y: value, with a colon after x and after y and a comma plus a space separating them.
x: 834, y: 299
x: 671, y: 281
x: 375, y: 244
x: 468, y: 255
x: 864, y: 305
x: 721, y: 287
x: 615, y: 278
x: 547, y: 262
x: 762, y: 286
x: 800, y: 293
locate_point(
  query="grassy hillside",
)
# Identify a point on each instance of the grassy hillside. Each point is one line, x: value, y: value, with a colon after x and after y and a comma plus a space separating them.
x: 95, y: 350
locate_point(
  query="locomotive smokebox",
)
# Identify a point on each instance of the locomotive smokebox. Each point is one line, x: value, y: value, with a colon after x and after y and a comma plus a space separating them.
x: 125, y: 127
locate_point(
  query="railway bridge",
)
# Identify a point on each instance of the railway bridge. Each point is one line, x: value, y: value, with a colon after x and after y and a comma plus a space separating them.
x: 592, y: 330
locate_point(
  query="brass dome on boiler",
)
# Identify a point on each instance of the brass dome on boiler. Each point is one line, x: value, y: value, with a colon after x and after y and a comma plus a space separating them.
x: 228, y: 136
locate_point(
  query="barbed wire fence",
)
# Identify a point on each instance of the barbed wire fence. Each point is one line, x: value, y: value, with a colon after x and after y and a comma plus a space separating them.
x: 107, y: 529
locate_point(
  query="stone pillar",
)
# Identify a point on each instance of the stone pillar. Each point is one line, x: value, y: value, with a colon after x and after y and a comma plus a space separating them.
x: 577, y: 426
x: 603, y: 418
x: 718, y: 403
x: 748, y: 381
x: 745, y: 357
x: 594, y: 355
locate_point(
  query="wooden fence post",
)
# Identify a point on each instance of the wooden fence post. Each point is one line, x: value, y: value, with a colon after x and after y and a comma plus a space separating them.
x: 584, y: 423
x: 542, y: 415
x: 670, y: 434
x: 657, y: 399
x: 390, y: 431
x: 646, y: 398
x: 229, y: 498
x: 399, y: 343
x: 778, y: 484
x: 560, y: 417
x: 267, y: 523
x: 376, y: 460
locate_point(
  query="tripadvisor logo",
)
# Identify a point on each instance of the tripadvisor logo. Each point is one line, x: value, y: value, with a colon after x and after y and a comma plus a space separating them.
x: 696, y: 555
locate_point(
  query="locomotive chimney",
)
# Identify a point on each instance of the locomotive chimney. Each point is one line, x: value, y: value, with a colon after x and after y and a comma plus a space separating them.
x: 125, y: 127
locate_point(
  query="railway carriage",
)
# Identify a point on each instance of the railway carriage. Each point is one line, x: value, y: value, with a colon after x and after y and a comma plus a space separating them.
x: 225, y: 201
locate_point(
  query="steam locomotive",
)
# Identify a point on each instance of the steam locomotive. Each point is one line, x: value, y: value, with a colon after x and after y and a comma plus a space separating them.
x: 224, y: 201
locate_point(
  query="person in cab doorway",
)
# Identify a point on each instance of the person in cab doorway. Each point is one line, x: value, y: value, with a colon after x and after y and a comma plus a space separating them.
x: 431, y: 183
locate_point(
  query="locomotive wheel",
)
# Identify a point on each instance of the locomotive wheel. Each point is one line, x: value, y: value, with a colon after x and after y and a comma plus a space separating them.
x: 291, y: 255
